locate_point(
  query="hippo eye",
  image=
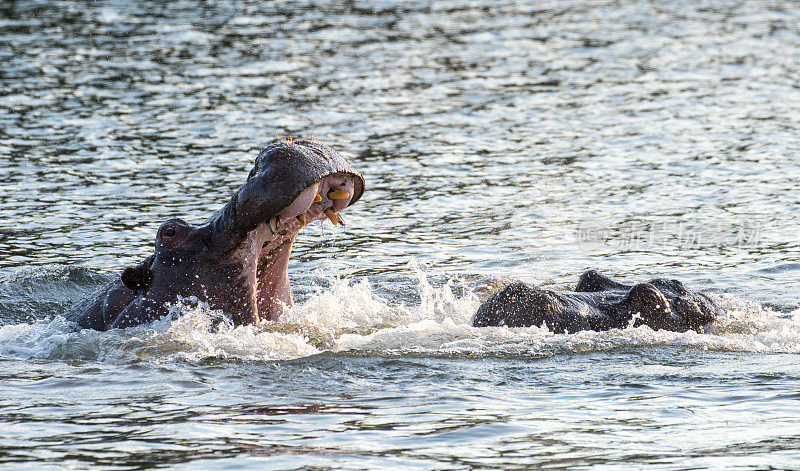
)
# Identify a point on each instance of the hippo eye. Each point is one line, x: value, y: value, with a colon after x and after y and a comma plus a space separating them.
x: 169, y: 232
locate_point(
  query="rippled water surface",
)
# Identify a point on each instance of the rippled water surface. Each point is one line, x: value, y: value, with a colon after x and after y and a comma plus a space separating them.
x: 499, y: 140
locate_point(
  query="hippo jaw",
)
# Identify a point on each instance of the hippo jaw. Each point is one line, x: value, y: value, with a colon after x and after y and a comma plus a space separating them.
x: 237, y: 261
x: 264, y: 254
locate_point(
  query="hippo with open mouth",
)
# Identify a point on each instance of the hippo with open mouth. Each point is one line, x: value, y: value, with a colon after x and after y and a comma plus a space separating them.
x: 237, y: 261
x: 599, y: 303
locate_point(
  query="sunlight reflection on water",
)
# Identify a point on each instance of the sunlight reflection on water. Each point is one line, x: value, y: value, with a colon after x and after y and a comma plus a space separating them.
x: 499, y: 140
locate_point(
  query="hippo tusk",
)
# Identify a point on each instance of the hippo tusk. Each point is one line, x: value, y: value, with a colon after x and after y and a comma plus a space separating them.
x: 332, y: 216
x: 338, y: 195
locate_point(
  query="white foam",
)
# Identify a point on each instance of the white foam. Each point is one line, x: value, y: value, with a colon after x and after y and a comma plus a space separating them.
x: 349, y: 317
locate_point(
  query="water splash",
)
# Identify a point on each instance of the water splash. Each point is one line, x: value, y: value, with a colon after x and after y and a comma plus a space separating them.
x: 349, y: 317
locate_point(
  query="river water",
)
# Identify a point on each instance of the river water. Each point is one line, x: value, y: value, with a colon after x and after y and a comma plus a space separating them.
x: 499, y: 140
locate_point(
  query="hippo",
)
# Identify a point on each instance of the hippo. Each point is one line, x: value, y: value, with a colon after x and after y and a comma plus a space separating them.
x: 599, y: 303
x: 237, y: 260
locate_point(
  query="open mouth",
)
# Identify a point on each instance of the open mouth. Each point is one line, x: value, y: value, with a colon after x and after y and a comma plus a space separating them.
x: 322, y: 201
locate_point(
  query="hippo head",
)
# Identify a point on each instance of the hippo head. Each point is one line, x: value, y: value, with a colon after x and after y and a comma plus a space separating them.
x: 237, y: 261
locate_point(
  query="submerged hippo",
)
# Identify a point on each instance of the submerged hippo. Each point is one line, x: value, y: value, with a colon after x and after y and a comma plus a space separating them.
x: 599, y: 303
x: 237, y: 260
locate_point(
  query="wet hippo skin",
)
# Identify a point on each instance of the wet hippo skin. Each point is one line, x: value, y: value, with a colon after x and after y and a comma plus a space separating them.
x: 599, y: 303
x: 237, y: 260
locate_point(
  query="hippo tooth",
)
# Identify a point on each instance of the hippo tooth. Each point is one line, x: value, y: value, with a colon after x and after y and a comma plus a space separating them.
x: 341, y: 219
x: 332, y: 216
x: 317, y: 198
x: 338, y: 195
x: 302, y: 219
x: 273, y: 224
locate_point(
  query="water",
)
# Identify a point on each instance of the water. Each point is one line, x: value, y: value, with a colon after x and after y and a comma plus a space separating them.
x: 499, y: 141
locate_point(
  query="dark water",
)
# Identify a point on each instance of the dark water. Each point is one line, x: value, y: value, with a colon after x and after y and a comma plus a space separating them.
x: 499, y: 140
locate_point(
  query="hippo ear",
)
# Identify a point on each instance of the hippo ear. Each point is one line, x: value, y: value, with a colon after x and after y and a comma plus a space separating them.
x: 136, y: 278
